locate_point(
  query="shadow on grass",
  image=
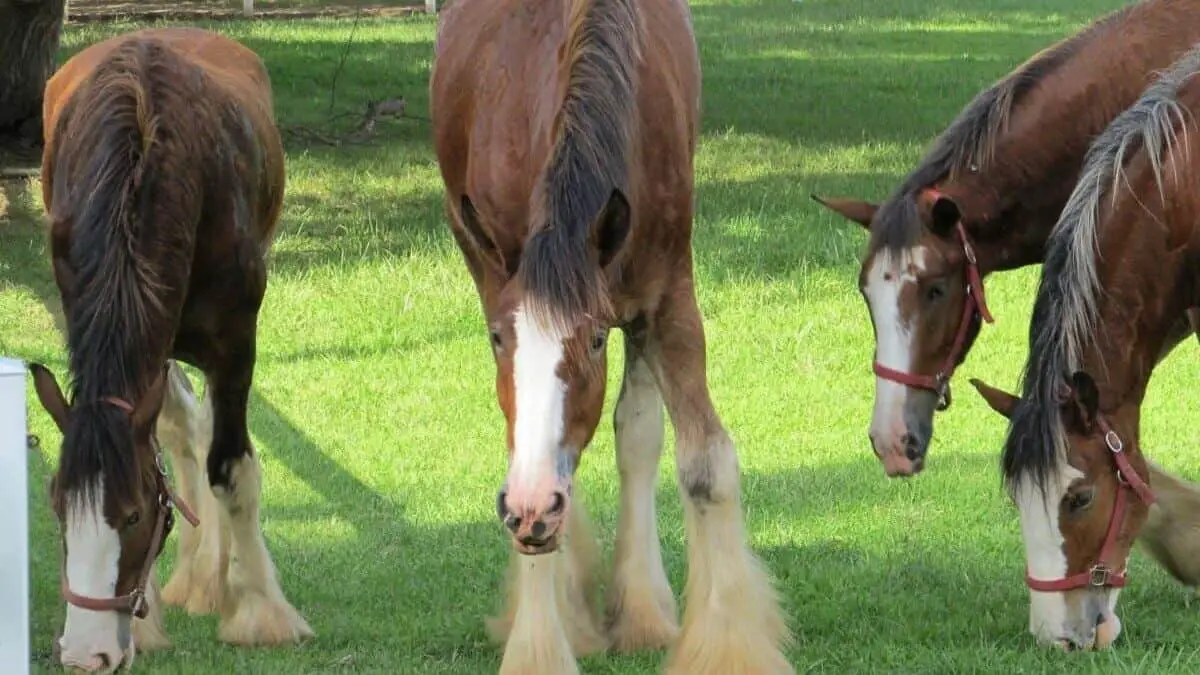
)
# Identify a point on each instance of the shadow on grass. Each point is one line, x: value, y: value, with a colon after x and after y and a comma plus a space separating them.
x: 844, y: 72
x: 24, y: 248
x: 396, y: 596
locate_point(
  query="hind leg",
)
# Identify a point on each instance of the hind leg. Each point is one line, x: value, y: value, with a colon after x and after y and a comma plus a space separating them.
x: 185, y: 429
x: 732, y: 622
x: 641, y: 607
x: 254, y: 610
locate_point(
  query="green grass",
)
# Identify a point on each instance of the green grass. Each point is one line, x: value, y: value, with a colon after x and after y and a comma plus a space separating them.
x: 374, y: 409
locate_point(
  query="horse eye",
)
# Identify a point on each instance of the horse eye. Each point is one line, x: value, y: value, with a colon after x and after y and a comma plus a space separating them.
x: 495, y: 337
x: 1078, y: 501
x: 133, y: 519
x: 935, y: 292
x: 598, y: 341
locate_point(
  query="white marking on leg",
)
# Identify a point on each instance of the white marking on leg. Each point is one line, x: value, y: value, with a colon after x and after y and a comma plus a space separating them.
x: 260, y: 613
x: 1044, y: 556
x: 540, y: 396
x: 93, y: 555
x: 641, y: 604
x: 538, y: 642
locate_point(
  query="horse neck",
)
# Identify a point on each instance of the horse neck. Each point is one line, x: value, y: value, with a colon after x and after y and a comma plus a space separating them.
x: 1009, y: 233
x: 1144, y: 292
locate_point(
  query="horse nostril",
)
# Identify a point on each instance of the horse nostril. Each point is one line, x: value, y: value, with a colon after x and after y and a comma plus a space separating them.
x: 105, y: 662
x: 912, y: 448
x: 538, y: 530
x: 512, y: 522
x: 501, y: 509
x: 560, y: 503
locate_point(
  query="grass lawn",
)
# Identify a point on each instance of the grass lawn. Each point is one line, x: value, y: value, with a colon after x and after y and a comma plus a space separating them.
x: 374, y: 409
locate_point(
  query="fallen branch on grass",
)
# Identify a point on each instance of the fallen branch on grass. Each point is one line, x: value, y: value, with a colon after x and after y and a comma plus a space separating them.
x: 13, y: 173
x: 362, y: 132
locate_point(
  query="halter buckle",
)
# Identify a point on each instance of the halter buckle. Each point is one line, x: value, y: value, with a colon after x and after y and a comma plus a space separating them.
x: 942, y: 391
x: 969, y: 251
x: 137, y: 603
x: 1100, y: 575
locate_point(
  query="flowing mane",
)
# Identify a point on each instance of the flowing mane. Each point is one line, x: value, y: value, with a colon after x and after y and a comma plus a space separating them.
x: 121, y: 260
x: 590, y: 159
x: 968, y: 144
x: 1066, y: 308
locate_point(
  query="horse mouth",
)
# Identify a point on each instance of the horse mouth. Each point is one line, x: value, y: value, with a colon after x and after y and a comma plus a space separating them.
x: 536, y: 547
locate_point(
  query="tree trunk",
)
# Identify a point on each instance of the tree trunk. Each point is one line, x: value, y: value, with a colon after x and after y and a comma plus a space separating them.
x: 29, y: 34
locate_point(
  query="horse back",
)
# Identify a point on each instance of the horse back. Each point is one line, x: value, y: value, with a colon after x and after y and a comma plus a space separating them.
x: 227, y: 67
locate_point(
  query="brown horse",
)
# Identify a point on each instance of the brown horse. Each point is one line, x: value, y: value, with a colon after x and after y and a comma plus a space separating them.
x: 1119, y: 271
x: 565, y: 132
x: 163, y: 177
x: 984, y: 200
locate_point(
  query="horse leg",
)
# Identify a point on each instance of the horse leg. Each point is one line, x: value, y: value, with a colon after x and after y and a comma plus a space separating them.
x: 185, y: 428
x: 732, y: 623
x: 641, y: 607
x: 150, y: 633
x: 542, y: 637
x: 254, y: 609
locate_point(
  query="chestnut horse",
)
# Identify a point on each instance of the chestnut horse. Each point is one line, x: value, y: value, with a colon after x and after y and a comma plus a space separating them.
x: 1119, y: 271
x: 984, y: 200
x: 163, y: 177
x: 565, y: 132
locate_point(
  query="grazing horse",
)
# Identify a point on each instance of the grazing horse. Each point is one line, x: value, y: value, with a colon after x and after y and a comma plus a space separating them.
x: 565, y: 133
x: 1119, y: 271
x: 984, y: 200
x: 163, y: 177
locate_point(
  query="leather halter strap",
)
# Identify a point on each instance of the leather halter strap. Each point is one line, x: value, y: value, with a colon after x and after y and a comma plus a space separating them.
x: 974, y: 305
x: 1105, y: 574
x: 134, y: 602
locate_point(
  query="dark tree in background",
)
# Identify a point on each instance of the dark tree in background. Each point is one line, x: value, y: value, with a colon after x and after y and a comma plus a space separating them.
x: 29, y: 34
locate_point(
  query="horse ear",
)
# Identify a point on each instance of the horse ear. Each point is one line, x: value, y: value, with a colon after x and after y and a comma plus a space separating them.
x: 610, y: 229
x: 146, y: 411
x: 854, y: 210
x: 944, y: 215
x: 50, y: 394
x: 1000, y: 401
x: 483, y: 241
x: 1085, y: 403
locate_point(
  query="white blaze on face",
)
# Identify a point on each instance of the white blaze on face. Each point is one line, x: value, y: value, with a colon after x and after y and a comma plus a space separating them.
x: 93, y: 555
x: 539, y: 397
x: 1044, y: 556
x: 888, y: 275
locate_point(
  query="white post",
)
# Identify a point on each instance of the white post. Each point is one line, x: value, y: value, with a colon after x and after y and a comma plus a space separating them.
x: 248, y: 7
x: 14, y: 526
x: 431, y: 6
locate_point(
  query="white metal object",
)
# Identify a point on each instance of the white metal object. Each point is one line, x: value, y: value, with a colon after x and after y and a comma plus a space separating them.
x: 248, y: 7
x: 431, y: 6
x: 14, y: 526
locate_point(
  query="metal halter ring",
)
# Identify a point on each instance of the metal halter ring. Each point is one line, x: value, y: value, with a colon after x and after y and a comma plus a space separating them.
x: 1113, y: 441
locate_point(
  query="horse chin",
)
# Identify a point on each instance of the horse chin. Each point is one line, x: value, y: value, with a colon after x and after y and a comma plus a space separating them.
x: 542, y: 548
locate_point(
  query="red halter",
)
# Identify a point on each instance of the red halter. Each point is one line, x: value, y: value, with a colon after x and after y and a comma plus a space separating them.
x: 1103, y: 574
x: 135, y: 601
x: 975, y: 305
